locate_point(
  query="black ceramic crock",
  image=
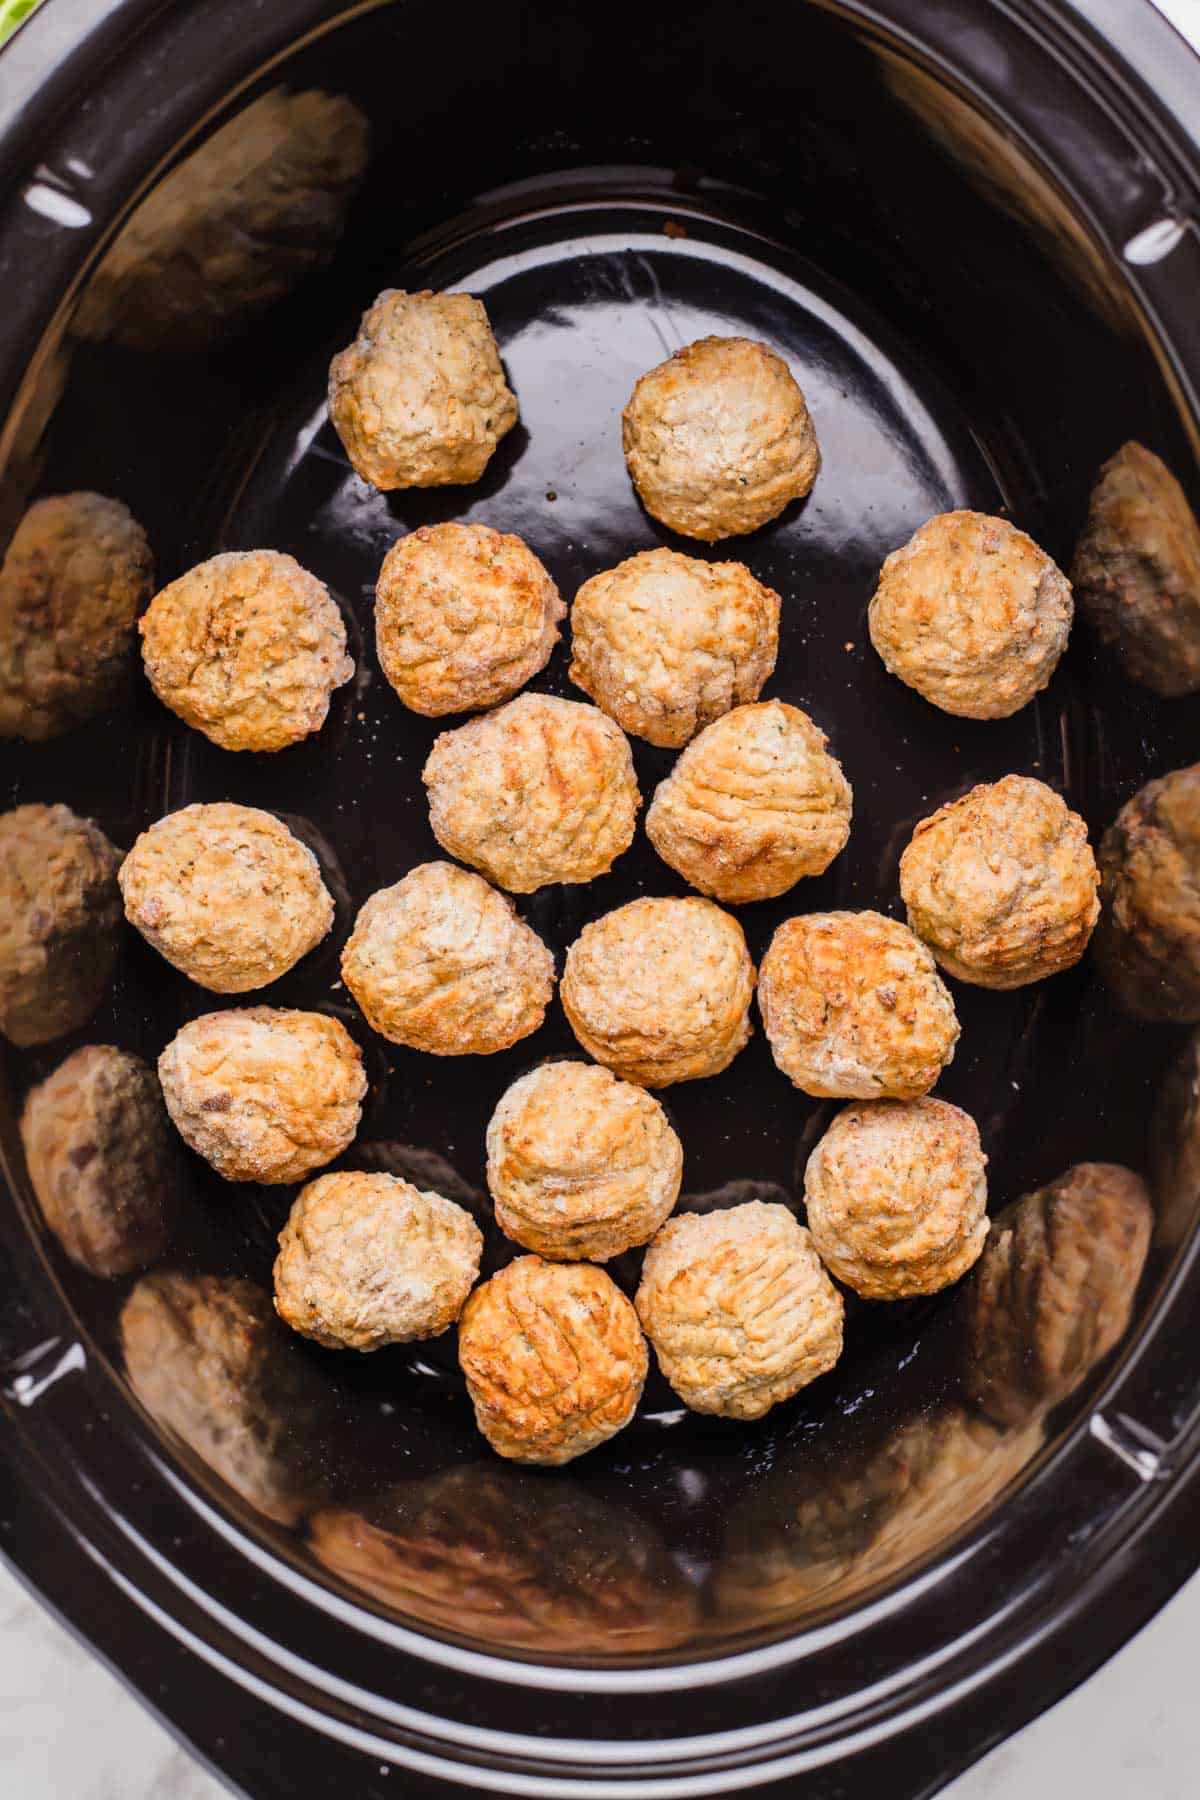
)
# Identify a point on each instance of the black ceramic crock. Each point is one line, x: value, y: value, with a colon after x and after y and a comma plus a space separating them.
x: 973, y: 226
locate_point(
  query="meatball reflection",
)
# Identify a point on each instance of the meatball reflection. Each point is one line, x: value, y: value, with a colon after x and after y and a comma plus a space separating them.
x: 60, y: 916
x: 1148, y: 939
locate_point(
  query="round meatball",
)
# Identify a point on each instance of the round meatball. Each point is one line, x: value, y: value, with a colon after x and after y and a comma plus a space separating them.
x: 419, y: 398
x: 753, y: 804
x: 77, y: 573
x: 1148, y: 943
x: 660, y: 990
x: 853, y: 1007
x: 1137, y: 571
x: 1002, y: 884
x: 665, y: 643
x: 99, y: 1159
x: 247, y: 647
x: 464, y: 617
x: 718, y: 438
x: 264, y: 1093
x: 226, y: 894
x: 368, y: 1260
x: 554, y: 1359
x: 739, y: 1310
x: 580, y: 1164
x: 539, y: 791
x: 972, y: 615
x: 60, y: 916
x: 896, y: 1193
x: 443, y: 963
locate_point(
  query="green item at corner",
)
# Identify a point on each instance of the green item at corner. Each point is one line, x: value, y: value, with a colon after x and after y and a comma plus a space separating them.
x: 11, y: 14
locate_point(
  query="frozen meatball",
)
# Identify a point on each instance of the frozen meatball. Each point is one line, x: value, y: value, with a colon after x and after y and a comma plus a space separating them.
x: 263, y: 1093
x: 1137, y: 571
x: 660, y: 990
x: 1148, y: 943
x: 718, y: 438
x: 367, y: 1260
x: 1002, y: 884
x: 247, y: 648
x: 443, y: 963
x: 419, y: 398
x: 854, y: 1007
x: 739, y: 1310
x: 60, y: 916
x: 753, y: 804
x: 541, y: 790
x: 580, y: 1164
x: 226, y: 894
x: 464, y: 617
x: 554, y: 1359
x: 972, y: 614
x: 665, y: 644
x: 896, y: 1192
x: 76, y: 575
x: 98, y: 1153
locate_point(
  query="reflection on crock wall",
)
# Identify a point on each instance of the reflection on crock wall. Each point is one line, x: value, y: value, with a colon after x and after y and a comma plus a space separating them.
x: 1147, y: 943
x: 1175, y: 1147
x: 1137, y: 571
x: 233, y: 228
x: 515, y: 1560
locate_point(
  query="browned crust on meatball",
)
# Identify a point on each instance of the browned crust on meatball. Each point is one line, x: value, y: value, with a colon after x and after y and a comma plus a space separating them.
x: 1148, y: 940
x: 60, y: 916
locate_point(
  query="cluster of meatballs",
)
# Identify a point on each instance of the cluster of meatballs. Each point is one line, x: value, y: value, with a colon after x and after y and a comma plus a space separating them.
x: 1000, y: 888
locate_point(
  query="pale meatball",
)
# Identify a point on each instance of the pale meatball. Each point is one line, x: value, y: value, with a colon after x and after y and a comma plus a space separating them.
x: 443, y: 963
x: 248, y: 648
x: 60, y: 916
x: 854, y: 1007
x: 464, y: 617
x: 541, y: 790
x: 77, y: 573
x: 665, y: 643
x: 1137, y: 571
x: 554, y: 1359
x: 896, y: 1192
x: 753, y: 804
x: 419, y: 398
x: 1148, y: 943
x: 226, y: 894
x: 660, y: 990
x: 1002, y: 884
x: 264, y: 1093
x: 580, y: 1164
x: 972, y: 615
x: 718, y: 438
x: 739, y: 1310
x: 367, y: 1260
x: 98, y: 1153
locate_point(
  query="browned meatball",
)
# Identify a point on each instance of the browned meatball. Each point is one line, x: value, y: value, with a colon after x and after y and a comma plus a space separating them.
x: 1148, y: 941
x: 60, y: 915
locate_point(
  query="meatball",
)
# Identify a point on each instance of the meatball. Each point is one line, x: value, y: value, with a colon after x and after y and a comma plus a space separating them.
x: 99, y: 1159
x: 76, y: 575
x: 419, y: 398
x: 660, y: 990
x: 739, y: 1310
x: 1002, y: 884
x: 753, y: 804
x: 443, y: 963
x: 539, y: 791
x: 464, y: 617
x: 718, y: 438
x: 853, y: 1006
x: 972, y: 615
x: 665, y: 644
x: 1137, y: 571
x: 896, y: 1193
x: 263, y: 1093
x: 1148, y: 943
x: 580, y: 1164
x: 368, y: 1260
x: 247, y: 648
x: 60, y: 916
x: 226, y: 894
x: 554, y: 1359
